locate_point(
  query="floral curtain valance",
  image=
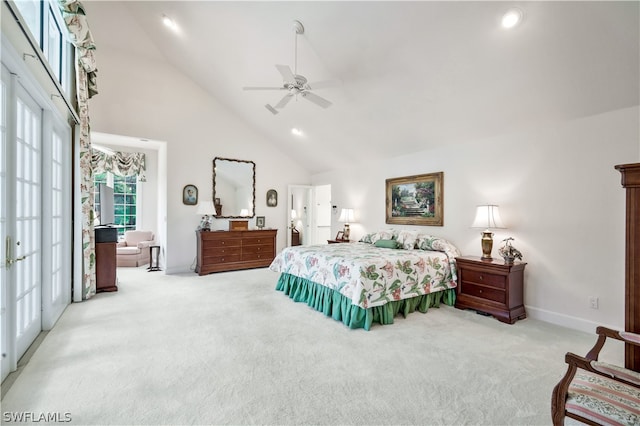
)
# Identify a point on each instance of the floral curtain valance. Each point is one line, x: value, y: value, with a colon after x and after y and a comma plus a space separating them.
x: 76, y: 20
x: 120, y: 163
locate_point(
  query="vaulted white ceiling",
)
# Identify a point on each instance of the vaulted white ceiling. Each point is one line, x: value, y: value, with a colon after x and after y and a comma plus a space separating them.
x: 413, y: 75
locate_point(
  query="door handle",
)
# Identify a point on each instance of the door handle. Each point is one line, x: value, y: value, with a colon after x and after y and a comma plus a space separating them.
x: 8, y: 260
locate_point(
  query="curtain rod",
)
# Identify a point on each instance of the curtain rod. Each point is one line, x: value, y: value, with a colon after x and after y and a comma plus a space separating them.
x: 43, y: 61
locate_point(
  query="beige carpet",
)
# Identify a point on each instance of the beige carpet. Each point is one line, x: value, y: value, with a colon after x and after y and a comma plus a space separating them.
x: 228, y: 349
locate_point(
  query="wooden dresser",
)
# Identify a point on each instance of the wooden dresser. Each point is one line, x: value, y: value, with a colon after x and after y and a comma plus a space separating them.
x: 491, y: 286
x: 232, y: 250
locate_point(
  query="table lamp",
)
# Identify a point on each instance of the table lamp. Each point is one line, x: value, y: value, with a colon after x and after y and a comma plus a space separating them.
x: 488, y: 217
x: 346, y: 216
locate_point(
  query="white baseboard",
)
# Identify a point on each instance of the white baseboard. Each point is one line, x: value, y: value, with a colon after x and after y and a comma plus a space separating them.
x: 563, y: 320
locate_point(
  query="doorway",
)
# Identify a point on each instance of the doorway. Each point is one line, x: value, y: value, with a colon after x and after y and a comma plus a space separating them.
x: 309, y: 214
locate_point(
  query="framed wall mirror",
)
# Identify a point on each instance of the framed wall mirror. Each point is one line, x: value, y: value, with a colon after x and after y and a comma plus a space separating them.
x: 234, y: 188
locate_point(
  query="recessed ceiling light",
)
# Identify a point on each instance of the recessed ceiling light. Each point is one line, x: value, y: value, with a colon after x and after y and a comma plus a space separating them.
x: 512, y: 18
x: 169, y: 22
x: 297, y: 131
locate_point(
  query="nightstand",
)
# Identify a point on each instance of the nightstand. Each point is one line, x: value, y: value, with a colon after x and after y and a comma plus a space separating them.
x: 337, y: 241
x: 492, y: 287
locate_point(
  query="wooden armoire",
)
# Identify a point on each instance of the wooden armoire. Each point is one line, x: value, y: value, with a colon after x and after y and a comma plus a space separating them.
x: 631, y: 182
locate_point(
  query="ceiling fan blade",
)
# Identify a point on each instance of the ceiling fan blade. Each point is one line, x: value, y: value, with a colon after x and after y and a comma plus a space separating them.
x: 284, y: 101
x: 263, y: 88
x: 324, y: 84
x: 272, y: 109
x: 287, y: 74
x: 316, y: 99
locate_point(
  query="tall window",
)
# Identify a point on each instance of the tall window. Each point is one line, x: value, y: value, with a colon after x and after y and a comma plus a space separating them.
x: 125, y: 189
x: 47, y: 26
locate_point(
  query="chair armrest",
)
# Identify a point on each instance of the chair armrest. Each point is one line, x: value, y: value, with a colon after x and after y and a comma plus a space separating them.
x: 121, y: 244
x: 625, y: 336
x: 145, y: 244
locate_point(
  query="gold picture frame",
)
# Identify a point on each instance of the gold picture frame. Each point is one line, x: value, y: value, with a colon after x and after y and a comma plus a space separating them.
x: 415, y: 200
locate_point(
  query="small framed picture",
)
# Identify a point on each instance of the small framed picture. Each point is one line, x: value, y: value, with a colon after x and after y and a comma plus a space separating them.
x: 260, y: 221
x: 272, y: 198
x: 190, y: 195
x: 340, y: 236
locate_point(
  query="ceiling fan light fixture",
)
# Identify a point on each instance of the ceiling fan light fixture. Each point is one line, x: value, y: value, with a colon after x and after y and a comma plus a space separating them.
x: 512, y: 18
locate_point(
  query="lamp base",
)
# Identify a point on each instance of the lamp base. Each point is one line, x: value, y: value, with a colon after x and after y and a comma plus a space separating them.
x: 487, y: 244
x: 346, y: 231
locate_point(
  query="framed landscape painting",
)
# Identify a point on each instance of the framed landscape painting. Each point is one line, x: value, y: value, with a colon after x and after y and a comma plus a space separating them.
x: 415, y: 200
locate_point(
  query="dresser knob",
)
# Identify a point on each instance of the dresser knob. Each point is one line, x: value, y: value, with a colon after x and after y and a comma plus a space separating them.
x: 480, y: 277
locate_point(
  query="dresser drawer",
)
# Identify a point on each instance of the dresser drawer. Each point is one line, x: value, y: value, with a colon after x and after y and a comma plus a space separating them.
x: 484, y: 278
x: 221, y: 259
x: 487, y: 293
x: 221, y: 251
x: 221, y: 242
x: 257, y: 252
x: 254, y: 241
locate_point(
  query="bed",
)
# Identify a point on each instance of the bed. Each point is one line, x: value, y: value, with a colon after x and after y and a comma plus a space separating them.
x: 372, y: 280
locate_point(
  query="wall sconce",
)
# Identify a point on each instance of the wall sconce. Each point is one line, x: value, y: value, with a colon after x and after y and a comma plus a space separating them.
x: 488, y: 217
x: 346, y: 216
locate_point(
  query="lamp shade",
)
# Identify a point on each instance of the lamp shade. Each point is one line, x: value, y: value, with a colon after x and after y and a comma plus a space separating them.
x: 347, y: 216
x: 487, y: 216
x: 206, y: 208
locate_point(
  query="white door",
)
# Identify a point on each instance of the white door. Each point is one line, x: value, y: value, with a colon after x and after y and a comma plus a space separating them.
x: 4, y: 278
x: 25, y: 241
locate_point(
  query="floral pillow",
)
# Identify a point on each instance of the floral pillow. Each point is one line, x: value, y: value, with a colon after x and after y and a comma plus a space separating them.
x: 371, y: 238
x: 366, y: 238
x: 388, y: 234
x: 429, y: 242
x: 407, y: 239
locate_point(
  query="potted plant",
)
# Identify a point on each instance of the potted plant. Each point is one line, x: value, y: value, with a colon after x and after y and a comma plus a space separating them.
x: 508, y: 252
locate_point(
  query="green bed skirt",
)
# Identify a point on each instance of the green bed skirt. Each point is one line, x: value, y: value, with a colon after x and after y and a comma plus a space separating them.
x: 335, y: 305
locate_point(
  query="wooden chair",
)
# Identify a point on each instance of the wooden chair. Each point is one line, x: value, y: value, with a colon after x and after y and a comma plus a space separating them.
x: 597, y: 393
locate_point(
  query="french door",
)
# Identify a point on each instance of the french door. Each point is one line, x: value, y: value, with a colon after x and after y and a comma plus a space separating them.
x: 34, y: 218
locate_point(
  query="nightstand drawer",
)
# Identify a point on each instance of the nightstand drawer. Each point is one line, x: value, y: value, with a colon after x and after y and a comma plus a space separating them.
x: 487, y: 293
x: 484, y: 278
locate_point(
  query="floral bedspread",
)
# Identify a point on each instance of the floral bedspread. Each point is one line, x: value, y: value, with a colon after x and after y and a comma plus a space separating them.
x: 369, y: 276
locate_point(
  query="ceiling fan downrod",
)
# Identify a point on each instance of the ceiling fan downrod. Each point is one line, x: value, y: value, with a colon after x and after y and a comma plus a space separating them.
x: 298, y: 28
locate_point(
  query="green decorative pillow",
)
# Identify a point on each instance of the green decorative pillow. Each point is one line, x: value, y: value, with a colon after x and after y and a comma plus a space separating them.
x: 386, y: 244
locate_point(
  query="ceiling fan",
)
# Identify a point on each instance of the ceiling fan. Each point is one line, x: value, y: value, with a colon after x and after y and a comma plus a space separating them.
x: 295, y: 84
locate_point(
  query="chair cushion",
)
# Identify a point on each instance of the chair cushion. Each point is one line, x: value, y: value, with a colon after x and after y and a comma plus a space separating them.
x: 602, y: 400
x: 128, y: 250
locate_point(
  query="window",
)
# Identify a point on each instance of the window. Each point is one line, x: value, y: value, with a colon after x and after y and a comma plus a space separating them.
x: 125, y: 189
x: 49, y: 30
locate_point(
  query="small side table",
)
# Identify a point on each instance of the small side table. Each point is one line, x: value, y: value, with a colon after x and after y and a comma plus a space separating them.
x: 492, y: 287
x: 154, y: 259
x: 338, y: 241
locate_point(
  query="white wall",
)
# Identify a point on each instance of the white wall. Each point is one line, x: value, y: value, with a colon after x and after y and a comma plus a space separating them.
x: 559, y: 195
x: 165, y: 105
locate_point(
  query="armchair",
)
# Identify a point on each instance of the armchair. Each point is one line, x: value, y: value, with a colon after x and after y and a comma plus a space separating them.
x: 134, y: 249
x: 597, y: 393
